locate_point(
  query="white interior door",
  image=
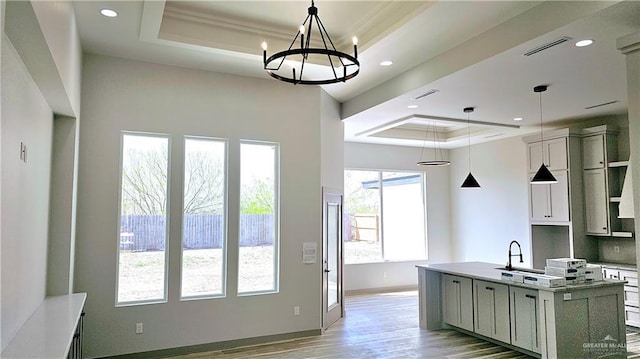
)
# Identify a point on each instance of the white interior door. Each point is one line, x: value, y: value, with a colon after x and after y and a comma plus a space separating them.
x: 332, y: 289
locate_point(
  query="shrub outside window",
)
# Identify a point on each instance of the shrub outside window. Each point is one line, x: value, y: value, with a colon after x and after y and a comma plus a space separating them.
x: 258, y: 268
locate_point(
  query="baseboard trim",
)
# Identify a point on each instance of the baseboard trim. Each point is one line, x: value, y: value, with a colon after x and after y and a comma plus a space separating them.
x: 217, y: 346
x: 402, y: 288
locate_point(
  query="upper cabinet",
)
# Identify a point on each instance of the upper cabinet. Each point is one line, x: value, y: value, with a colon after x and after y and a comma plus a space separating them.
x: 556, y: 211
x: 593, y: 151
x: 553, y: 153
x: 561, y: 153
x: 603, y: 180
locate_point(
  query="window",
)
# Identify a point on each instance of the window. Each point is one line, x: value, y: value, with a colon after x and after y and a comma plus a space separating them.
x: 259, y: 218
x: 384, y: 216
x: 143, y: 219
x: 204, y: 218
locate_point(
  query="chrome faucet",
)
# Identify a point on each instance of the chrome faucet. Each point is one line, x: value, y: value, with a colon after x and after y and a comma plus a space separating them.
x: 509, y: 267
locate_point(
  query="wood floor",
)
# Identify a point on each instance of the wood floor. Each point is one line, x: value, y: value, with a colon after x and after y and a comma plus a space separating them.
x: 383, y: 326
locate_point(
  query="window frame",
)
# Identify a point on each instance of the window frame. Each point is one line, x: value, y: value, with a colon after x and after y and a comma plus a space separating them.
x: 165, y: 297
x: 276, y: 218
x: 225, y: 211
x: 380, y: 178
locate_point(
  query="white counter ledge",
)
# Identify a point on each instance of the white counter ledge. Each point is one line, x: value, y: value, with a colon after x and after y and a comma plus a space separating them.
x: 50, y: 329
x: 493, y: 272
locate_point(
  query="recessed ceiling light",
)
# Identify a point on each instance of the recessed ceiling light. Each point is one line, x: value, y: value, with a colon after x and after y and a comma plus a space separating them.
x: 517, y: 118
x: 386, y: 63
x: 583, y: 43
x: 109, y: 13
x: 412, y: 106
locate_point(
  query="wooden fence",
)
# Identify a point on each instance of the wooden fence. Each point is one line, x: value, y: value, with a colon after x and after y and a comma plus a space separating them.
x: 148, y: 232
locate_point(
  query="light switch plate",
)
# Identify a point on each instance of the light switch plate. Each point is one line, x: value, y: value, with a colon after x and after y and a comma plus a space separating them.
x: 567, y: 296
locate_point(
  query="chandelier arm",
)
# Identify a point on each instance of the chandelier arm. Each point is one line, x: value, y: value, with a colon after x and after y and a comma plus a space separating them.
x: 321, y: 25
x: 324, y: 42
x: 308, y: 39
x: 304, y: 59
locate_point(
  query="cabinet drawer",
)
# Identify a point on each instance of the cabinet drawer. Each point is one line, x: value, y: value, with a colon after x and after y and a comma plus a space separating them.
x: 632, y: 316
x: 631, y: 295
x: 629, y: 276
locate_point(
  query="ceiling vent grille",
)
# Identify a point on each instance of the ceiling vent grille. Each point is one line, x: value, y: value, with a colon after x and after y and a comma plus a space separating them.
x: 430, y: 92
x: 602, y: 104
x: 546, y: 46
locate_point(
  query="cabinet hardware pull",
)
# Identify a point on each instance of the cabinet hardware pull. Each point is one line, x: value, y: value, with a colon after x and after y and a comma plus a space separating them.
x: 488, y: 288
x: 455, y: 281
x: 604, y: 228
x: 530, y: 296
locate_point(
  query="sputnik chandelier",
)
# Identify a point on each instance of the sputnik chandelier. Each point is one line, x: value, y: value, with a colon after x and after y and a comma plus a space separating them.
x: 342, y: 66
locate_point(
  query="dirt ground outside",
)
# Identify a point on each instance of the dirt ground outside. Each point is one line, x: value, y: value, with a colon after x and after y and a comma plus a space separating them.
x: 142, y: 274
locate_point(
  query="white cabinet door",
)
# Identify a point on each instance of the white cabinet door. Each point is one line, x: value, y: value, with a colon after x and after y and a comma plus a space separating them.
x: 596, y: 202
x: 491, y: 308
x: 550, y: 202
x: 554, y: 155
x: 534, y: 156
x: 458, y: 301
x: 559, y: 198
x: 593, y: 152
x: 524, y: 319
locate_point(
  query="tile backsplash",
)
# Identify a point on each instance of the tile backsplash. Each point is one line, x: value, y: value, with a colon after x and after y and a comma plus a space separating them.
x: 617, y: 250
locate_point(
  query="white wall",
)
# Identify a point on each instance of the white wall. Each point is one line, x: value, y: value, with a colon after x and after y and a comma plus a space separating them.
x: 41, y: 75
x: 398, y: 274
x: 26, y: 118
x: 484, y: 221
x: 121, y: 95
x: 332, y: 143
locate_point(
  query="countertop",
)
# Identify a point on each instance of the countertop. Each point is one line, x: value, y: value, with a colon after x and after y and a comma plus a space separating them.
x: 493, y: 272
x: 49, y: 331
x: 617, y: 265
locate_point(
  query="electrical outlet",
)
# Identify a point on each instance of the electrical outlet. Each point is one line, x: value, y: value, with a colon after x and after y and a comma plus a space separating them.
x: 139, y: 328
x: 616, y: 249
x: 296, y: 310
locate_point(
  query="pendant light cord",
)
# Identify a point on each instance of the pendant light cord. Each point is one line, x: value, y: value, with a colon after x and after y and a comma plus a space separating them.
x: 424, y: 143
x: 469, y: 140
x: 541, y: 134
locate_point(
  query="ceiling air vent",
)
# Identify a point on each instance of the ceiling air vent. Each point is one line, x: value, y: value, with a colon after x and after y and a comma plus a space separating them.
x: 548, y: 45
x: 602, y: 104
x: 430, y: 92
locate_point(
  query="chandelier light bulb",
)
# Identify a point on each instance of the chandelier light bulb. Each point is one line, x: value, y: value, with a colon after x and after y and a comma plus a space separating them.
x: 264, y: 45
x: 355, y: 40
x: 302, y: 29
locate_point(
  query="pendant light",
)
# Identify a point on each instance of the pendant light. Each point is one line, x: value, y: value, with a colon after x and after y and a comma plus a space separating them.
x: 438, y: 158
x: 543, y: 176
x: 470, y: 181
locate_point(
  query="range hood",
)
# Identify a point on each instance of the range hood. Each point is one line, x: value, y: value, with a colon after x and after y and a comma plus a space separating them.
x: 625, y: 209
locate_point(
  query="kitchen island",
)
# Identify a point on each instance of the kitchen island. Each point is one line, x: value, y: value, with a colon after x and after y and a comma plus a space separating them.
x: 573, y: 321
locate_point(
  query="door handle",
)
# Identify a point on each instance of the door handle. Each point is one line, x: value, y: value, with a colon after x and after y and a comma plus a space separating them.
x: 327, y: 270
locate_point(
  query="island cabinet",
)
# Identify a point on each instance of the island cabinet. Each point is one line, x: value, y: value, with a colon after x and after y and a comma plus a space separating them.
x: 458, y: 301
x: 629, y: 274
x: 575, y: 321
x: 525, y: 316
x: 491, y: 308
